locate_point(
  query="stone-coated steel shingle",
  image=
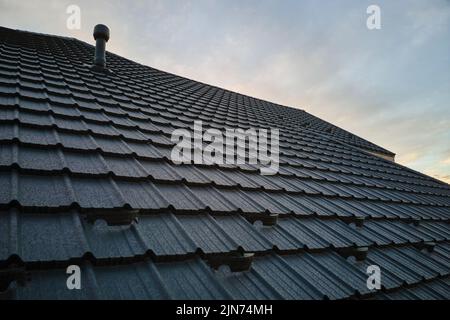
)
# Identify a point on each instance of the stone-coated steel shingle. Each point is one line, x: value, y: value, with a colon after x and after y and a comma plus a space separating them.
x: 77, y: 145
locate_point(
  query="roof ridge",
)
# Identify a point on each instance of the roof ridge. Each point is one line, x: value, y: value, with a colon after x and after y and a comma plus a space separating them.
x: 39, y: 33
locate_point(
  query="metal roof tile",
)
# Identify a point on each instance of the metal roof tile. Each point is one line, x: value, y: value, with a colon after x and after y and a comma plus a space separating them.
x: 41, y: 191
x: 214, y: 200
x: 145, y: 280
x: 97, y: 193
x: 37, y: 159
x: 37, y: 135
x: 398, y: 268
x: 41, y: 237
x: 437, y: 231
x: 434, y: 290
x: 269, y: 278
x: 144, y: 149
x: 207, y: 234
x: 125, y: 124
x: 113, y: 145
x: 324, y: 276
x: 139, y: 195
x: 163, y: 234
x: 85, y: 163
x: 243, y: 233
x: 160, y: 170
x: 76, y: 141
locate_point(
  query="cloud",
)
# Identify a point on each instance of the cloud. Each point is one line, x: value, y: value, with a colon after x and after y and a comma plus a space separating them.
x: 446, y: 161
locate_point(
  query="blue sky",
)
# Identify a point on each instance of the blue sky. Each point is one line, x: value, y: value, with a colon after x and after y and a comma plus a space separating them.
x: 390, y: 86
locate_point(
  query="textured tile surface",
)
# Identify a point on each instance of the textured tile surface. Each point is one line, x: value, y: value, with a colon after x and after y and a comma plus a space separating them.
x: 76, y: 144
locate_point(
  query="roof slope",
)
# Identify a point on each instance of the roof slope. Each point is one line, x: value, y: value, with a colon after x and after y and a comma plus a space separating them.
x: 75, y: 144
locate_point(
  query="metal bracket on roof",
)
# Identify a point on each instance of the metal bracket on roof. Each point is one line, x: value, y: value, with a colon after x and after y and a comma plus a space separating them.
x: 427, y: 245
x: 267, y: 220
x: 415, y: 222
x: 360, y: 253
x: 101, y: 70
x: 358, y: 221
x: 11, y: 274
x: 114, y: 217
x: 236, y: 261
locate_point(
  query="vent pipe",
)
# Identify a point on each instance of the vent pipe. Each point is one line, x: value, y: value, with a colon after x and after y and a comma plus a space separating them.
x: 101, y: 36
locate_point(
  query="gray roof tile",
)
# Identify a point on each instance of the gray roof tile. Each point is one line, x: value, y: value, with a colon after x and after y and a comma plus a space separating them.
x: 297, y: 276
x: 75, y: 143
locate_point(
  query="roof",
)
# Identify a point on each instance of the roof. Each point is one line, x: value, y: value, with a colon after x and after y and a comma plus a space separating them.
x: 76, y: 144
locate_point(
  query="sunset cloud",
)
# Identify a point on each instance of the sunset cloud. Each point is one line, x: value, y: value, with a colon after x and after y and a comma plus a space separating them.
x: 446, y: 161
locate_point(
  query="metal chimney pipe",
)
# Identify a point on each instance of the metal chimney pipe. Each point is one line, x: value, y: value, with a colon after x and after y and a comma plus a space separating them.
x: 101, y: 36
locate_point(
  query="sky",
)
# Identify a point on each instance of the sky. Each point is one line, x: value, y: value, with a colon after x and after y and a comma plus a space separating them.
x: 390, y: 86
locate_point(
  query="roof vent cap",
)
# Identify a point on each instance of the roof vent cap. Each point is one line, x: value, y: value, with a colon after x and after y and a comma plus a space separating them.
x: 101, y: 36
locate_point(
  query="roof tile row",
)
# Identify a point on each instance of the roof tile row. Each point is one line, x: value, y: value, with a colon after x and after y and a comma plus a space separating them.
x: 45, y: 238
x: 99, y: 144
x: 298, y: 276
